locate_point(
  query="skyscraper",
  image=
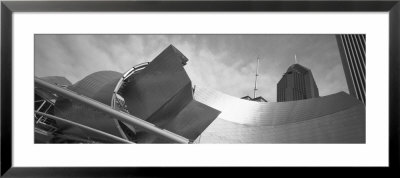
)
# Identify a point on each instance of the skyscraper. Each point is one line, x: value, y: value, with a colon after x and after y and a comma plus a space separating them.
x: 296, y: 84
x: 352, y: 52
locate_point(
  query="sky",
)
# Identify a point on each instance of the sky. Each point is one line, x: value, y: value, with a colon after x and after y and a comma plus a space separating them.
x: 226, y: 63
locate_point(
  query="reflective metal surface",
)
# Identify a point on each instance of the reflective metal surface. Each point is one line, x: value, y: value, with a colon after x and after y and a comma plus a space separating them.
x: 337, y: 118
x: 106, y: 110
x: 98, y: 132
x: 148, y: 90
x: 159, y: 105
x: 98, y: 86
x: 57, y: 80
x: 162, y: 94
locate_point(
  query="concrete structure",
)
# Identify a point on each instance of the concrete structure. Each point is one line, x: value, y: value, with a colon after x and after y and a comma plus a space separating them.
x: 352, y: 51
x: 296, y: 84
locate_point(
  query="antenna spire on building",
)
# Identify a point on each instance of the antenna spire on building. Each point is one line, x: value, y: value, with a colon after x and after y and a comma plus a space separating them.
x: 295, y: 59
x: 255, y: 82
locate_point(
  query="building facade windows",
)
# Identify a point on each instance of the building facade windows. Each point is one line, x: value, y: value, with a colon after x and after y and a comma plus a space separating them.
x: 352, y: 53
x: 296, y: 84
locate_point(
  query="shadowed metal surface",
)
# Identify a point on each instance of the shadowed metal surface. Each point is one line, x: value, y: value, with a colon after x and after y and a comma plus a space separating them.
x: 162, y: 94
x: 94, y: 131
x: 188, y: 120
x: 57, y: 80
x: 98, y: 86
x: 105, y: 109
x: 337, y: 118
x: 164, y: 77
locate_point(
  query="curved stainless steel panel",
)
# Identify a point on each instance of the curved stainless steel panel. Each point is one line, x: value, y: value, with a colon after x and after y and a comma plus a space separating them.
x: 57, y: 80
x: 98, y: 86
x: 161, y: 93
x: 163, y: 78
x: 337, y: 118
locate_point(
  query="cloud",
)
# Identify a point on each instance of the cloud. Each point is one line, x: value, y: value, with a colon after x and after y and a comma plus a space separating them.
x: 224, y: 62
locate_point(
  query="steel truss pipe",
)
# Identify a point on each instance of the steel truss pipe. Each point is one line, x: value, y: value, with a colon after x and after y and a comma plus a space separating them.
x: 115, y: 138
x: 108, y: 110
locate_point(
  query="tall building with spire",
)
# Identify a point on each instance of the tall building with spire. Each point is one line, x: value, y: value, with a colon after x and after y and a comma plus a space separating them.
x: 296, y: 84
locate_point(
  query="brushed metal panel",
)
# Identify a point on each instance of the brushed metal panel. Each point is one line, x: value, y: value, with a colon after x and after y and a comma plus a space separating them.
x: 337, y: 118
x: 41, y: 93
x: 57, y: 80
x: 92, y: 85
x: 110, y: 111
x: 98, y: 86
x: 162, y: 94
x: 84, y: 115
x: 272, y: 113
x: 347, y: 126
x: 147, y: 91
x: 88, y: 129
x: 189, y: 122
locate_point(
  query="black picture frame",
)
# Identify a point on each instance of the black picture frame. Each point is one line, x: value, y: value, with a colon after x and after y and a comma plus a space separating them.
x: 9, y: 7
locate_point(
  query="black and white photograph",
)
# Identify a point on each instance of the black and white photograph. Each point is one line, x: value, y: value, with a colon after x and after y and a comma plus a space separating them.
x: 159, y: 88
x: 199, y: 88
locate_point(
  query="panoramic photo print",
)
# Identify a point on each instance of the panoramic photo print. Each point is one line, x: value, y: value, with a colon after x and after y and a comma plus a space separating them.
x: 200, y: 88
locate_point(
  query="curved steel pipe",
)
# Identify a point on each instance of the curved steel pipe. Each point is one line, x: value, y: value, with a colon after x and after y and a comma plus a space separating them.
x: 114, y: 98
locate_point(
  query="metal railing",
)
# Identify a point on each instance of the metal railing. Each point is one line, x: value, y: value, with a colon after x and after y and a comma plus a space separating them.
x: 118, y: 102
x: 122, y: 116
x: 115, y: 138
